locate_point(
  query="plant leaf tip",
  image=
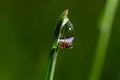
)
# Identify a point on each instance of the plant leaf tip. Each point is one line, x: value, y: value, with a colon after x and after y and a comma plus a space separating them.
x: 66, y: 11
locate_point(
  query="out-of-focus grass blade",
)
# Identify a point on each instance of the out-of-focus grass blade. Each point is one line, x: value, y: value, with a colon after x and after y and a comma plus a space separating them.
x: 105, y: 26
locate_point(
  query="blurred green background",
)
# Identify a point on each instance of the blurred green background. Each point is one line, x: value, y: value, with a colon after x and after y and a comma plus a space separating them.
x: 26, y: 31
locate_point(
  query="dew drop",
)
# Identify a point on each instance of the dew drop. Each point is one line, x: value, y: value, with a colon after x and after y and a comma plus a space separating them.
x: 66, y: 35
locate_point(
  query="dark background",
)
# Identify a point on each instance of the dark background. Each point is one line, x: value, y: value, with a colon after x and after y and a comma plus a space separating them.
x: 26, y: 31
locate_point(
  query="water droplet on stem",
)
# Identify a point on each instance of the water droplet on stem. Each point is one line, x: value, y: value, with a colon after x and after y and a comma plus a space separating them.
x: 66, y: 35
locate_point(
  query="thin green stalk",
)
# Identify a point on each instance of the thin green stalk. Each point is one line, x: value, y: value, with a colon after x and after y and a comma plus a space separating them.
x: 51, y: 63
x: 105, y: 30
x: 54, y: 48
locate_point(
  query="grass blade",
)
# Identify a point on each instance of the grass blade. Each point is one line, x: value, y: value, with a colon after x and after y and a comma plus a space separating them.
x: 105, y: 30
x: 63, y: 19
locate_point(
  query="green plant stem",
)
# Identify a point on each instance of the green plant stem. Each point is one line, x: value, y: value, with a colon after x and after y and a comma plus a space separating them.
x: 105, y: 30
x: 52, y: 63
x: 54, y: 48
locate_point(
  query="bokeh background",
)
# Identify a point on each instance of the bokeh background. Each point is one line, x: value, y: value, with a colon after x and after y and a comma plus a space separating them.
x: 26, y: 31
